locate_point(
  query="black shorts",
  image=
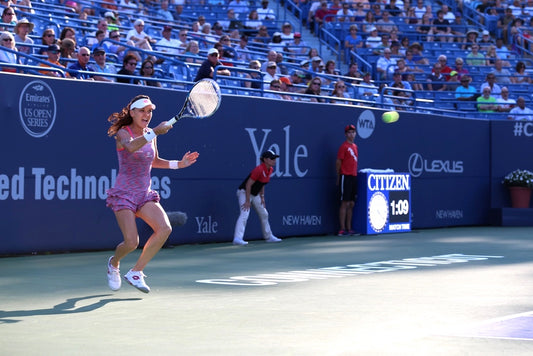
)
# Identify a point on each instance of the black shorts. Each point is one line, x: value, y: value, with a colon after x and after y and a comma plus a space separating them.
x: 347, y: 188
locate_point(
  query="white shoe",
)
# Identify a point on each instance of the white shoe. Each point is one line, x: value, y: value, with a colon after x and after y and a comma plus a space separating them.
x: 240, y: 242
x: 136, y: 279
x: 273, y: 239
x: 113, y: 276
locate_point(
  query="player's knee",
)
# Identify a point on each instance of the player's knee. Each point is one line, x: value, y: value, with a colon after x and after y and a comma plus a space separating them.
x: 164, y: 230
x: 132, y: 244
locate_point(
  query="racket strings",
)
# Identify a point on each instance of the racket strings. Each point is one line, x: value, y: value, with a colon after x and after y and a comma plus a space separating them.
x: 204, y: 99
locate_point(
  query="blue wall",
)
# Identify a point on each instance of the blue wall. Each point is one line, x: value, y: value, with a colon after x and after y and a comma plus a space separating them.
x: 55, y: 139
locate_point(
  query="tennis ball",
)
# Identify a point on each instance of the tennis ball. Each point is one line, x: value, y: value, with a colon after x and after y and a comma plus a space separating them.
x: 390, y: 116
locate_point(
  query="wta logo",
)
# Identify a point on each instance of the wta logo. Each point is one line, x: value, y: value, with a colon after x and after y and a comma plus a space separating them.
x: 366, y: 124
x: 37, y: 108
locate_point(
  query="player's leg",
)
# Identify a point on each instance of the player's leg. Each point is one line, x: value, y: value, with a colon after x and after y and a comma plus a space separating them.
x: 154, y: 215
x: 343, y: 206
x: 126, y: 223
x: 240, y: 225
x: 263, y: 217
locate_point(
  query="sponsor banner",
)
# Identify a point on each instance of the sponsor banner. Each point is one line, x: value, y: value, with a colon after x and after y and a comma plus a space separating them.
x: 59, y: 162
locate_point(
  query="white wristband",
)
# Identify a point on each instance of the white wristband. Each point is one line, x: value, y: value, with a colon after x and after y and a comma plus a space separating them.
x: 173, y: 164
x: 149, y: 136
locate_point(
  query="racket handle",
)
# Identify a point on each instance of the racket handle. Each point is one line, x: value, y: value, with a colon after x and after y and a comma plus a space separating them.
x: 171, y: 122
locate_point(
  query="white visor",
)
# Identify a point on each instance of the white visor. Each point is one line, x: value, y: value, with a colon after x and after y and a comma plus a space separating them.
x: 141, y: 103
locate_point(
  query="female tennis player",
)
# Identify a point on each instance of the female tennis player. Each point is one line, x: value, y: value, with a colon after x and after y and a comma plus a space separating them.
x: 132, y: 196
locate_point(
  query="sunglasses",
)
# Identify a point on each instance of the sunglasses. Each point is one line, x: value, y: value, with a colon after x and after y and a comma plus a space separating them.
x: 276, y: 86
x: 85, y: 54
x: 148, y: 67
x: 132, y: 63
x: 116, y: 36
x: 7, y: 39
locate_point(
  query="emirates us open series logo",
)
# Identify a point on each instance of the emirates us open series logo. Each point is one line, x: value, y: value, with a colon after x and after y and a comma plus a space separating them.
x: 37, y: 108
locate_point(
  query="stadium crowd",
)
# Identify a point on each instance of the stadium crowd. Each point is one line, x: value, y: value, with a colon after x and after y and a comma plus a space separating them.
x: 400, y: 55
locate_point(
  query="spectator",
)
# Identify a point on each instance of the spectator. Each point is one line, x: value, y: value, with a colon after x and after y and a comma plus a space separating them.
x: 67, y: 32
x: 84, y: 55
x: 101, y: 25
x: 345, y: 14
x: 398, y: 79
x: 207, y: 69
x: 8, y: 41
x: 314, y: 88
x: 367, y: 90
x: 359, y: 13
x: 262, y: 35
x: 460, y: 68
x: 490, y: 82
x: 339, y: 91
x: 116, y: 49
x: 465, y: 92
x: 470, y: 40
x: 458, y: 27
x: 418, y: 58
x: 242, y: 51
x: 485, y: 42
x: 270, y: 74
x: 286, y: 87
x: 277, y: 44
x: 369, y: 23
x: 169, y: 45
x: 385, y: 64
x: 239, y: 7
x: 504, y: 23
x: 286, y: 34
x: 520, y: 76
x: 445, y: 69
x: 442, y: 29
x: 101, y: 66
x: 147, y: 72
x: 283, y: 70
x: 436, y: 81
x: 410, y: 17
x: 373, y: 40
x: 275, y: 85
x: 8, y: 18
x: 521, y: 112
x: 223, y: 55
x: 385, y: 24
x: 192, y: 52
x: 178, y: 14
x: 392, y: 9
x: 505, y: 104
x: 271, y: 57
x: 164, y: 13
x: 266, y: 13
x: 321, y: 13
x: 253, y: 22
x: 448, y: 15
x: 486, y: 103
x: 112, y: 22
x: 48, y: 38
x: 22, y: 30
x: 297, y: 78
x: 254, y: 81
x: 353, y: 40
x: 474, y: 58
x: 230, y: 19
x: 297, y: 47
x: 426, y: 29
x: 315, y: 64
x: 420, y: 8
x: 502, y: 75
x: 129, y: 64
x: 515, y: 7
x: 354, y: 73
x: 139, y: 37
x: 53, y: 57
x: 67, y: 48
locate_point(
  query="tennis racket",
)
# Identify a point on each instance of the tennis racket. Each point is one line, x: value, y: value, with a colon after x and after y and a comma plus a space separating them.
x: 202, y: 101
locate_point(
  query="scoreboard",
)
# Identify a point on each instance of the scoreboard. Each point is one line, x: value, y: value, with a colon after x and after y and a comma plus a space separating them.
x: 384, y: 203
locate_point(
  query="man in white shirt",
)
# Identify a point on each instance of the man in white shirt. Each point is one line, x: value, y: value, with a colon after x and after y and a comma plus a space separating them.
x: 168, y: 44
x: 385, y: 63
x: 264, y: 13
x: 270, y: 74
x: 521, y: 112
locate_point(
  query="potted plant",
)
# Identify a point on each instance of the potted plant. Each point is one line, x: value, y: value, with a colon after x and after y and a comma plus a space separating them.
x: 520, y: 183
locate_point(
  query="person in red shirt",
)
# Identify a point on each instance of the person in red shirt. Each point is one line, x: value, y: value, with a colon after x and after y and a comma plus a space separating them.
x: 252, y: 192
x: 346, y: 166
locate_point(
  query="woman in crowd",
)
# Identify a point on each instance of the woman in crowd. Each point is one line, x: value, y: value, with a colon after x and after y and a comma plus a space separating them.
x: 520, y: 76
x: 8, y: 41
x: 47, y: 38
x: 339, y: 91
x: 314, y: 88
x: 193, y: 49
x: 147, y: 71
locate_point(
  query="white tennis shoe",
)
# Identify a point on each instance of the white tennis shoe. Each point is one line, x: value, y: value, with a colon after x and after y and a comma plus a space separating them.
x: 240, y: 242
x: 273, y: 239
x: 136, y: 279
x: 113, y: 276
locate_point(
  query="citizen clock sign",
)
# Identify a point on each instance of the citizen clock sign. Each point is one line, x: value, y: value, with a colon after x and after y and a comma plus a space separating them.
x: 387, y: 200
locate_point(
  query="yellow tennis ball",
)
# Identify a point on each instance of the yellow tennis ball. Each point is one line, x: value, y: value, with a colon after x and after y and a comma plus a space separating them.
x: 390, y: 116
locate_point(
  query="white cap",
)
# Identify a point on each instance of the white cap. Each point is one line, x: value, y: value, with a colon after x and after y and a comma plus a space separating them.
x: 316, y: 59
x: 373, y: 28
x: 138, y: 22
x: 212, y: 50
x: 110, y: 14
x: 485, y: 33
x: 141, y: 103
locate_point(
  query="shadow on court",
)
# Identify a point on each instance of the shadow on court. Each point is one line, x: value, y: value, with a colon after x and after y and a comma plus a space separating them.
x: 451, y: 291
x: 67, y: 307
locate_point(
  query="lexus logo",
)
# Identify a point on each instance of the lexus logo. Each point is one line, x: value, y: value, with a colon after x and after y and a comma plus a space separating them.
x: 416, y: 165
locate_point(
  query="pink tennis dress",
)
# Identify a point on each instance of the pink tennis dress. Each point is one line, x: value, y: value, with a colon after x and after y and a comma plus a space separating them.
x: 133, y: 185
